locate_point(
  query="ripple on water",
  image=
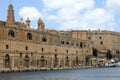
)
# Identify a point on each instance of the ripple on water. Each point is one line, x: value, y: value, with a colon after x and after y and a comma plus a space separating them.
x: 75, y: 74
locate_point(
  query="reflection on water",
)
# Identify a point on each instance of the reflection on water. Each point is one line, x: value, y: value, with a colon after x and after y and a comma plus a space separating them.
x: 75, y: 74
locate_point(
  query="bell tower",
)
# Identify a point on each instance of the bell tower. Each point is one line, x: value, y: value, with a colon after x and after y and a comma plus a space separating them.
x: 28, y: 23
x: 10, y: 17
x: 41, y: 25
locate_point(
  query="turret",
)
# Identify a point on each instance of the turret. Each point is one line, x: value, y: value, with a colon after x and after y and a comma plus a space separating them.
x: 28, y: 23
x: 10, y: 17
x: 21, y: 21
x: 41, y: 25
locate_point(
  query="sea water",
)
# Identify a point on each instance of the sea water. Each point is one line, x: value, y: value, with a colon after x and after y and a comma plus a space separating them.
x: 72, y: 74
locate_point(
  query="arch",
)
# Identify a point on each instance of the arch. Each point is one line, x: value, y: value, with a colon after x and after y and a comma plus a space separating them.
x: 7, y: 61
x: 55, y: 60
x: 21, y: 55
x: 11, y: 33
x: 42, y: 61
x: 77, y: 61
x: 68, y: 42
x: 87, y: 60
x: 76, y: 43
x: 21, y: 63
x: 62, y: 41
x: 67, y: 61
x: 26, y: 61
x: 29, y: 36
x: 72, y: 42
x: 81, y: 44
x: 44, y: 39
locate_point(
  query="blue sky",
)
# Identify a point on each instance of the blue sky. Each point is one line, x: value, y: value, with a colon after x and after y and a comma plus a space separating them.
x: 67, y: 14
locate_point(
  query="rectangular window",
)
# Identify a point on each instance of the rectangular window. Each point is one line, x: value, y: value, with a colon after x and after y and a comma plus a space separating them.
x: 7, y: 46
x: 42, y: 49
x: 76, y: 51
x: 26, y: 48
x: 66, y: 51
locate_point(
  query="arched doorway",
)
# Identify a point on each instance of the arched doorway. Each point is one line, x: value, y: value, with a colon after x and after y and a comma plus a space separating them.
x: 26, y: 61
x: 55, y: 61
x: 67, y: 61
x: 42, y: 61
x: 7, y: 61
x: 87, y: 60
x: 77, y: 61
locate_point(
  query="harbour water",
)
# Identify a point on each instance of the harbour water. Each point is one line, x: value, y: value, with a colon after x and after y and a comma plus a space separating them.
x: 73, y: 74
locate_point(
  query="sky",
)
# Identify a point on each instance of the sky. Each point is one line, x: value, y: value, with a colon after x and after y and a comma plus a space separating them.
x: 67, y: 14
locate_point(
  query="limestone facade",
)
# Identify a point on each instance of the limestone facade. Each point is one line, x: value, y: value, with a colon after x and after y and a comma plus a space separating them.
x: 22, y: 47
x: 102, y: 40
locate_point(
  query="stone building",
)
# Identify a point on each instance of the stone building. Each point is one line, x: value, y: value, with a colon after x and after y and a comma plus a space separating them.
x: 24, y: 48
x: 102, y: 40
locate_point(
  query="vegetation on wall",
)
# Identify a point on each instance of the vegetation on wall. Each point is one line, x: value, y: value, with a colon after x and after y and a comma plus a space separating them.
x: 108, y: 54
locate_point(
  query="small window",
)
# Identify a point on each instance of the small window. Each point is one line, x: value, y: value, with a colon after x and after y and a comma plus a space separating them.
x: 42, y: 49
x: 76, y: 51
x: 101, y: 42
x: 26, y: 48
x: 44, y: 39
x: 84, y: 45
x: 7, y: 46
x: 11, y: 33
x: 76, y: 43
x: 89, y: 38
x: 67, y: 42
x: 72, y: 43
x: 55, y: 56
x: 66, y: 51
x: 31, y: 54
x: 55, y: 50
x: 100, y: 37
x: 92, y: 42
x: 29, y: 36
x: 81, y: 44
x: 66, y: 57
x: 20, y: 54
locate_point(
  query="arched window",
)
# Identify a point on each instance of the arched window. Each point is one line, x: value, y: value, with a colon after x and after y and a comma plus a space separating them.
x: 101, y: 42
x: 11, y: 33
x: 7, y: 46
x: 21, y: 55
x: 77, y: 60
x: 67, y: 61
x: 67, y: 42
x: 89, y: 38
x: 62, y: 41
x: 72, y: 42
x: 81, y: 44
x: 77, y: 52
x: 76, y: 43
x: 26, y: 48
x: 42, y: 61
x: 55, y: 61
x: 29, y: 36
x: 100, y: 37
x: 7, y: 61
x: 66, y: 51
x: 26, y: 61
x: 44, y: 39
